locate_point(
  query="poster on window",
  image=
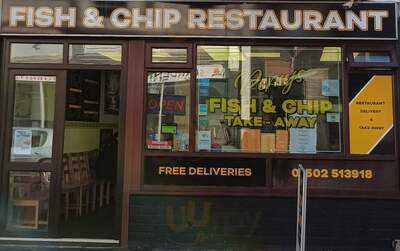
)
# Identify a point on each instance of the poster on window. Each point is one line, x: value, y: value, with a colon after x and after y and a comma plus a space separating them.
x: 371, y: 114
x: 22, y: 142
x: 303, y: 140
x: 216, y: 71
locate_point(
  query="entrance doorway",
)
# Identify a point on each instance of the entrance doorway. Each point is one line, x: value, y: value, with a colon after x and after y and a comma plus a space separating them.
x: 33, y: 145
x: 90, y: 155
x: 61, y: 152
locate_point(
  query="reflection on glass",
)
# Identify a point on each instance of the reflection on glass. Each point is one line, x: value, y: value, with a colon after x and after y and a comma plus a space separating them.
x: 36, y: 53
x: 331, y: 54
x: 95, y: 54
x: 168, y: 55
x: 32, y: 133
x: 28, y: 203
x: 268, y: 99
x: 167, y: 125
x: 371, y: 57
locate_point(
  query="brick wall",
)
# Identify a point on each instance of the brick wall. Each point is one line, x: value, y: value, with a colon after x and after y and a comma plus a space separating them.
x: 245, y: 223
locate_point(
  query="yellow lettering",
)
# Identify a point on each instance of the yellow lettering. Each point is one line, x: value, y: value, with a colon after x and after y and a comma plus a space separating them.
x: 279, y: 122
x: 291, y: 122
x: 325, y: 105
x: 289, y: 106
x: 237, y: 122
x: 312, y: 121
x: 233, y: 105
x: 257, y: 121
x: 214, y: 104
x: 303, y: 123
x: 268, y: 106
x: 304, y: 106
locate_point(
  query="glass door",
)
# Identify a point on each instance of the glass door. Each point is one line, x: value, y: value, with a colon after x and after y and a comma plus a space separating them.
x: 33, y: 149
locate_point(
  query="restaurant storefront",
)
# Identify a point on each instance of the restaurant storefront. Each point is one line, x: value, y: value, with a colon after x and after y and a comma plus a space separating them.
x: 181, y: 124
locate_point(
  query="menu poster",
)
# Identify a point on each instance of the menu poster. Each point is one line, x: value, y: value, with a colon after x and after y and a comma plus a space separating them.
x: 203, y: 121
x: 330, y: 88
x: 333, y: 117
x: 268, y: 142
x: 22, y: 142
x: 203, y: 85
x: 303, y: 140
x: 204, y: 140
x: 282, y: 141
x: 202, y: 109
x: 250, y: 140
x: 215, y: 71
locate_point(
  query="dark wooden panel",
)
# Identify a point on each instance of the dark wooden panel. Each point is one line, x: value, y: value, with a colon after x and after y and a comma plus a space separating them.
x: 133, y: 129
x: 250, y: 223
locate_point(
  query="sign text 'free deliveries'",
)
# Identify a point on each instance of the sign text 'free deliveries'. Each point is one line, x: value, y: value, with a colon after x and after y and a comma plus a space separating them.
x: 195, y: 19
x: 205, y: 172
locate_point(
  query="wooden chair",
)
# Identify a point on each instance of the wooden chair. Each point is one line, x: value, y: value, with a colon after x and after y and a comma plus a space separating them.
x: 29, y: 192
x: 71, y: 185
x: 85, y: 180
x: 77, y: 183
x: 104, y: 192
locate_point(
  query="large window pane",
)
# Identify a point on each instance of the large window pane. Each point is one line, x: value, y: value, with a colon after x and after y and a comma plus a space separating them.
x: 28, y: 202
x: 167, y: 125
x: 95, y: 54
x: 268, y: 99
x: 36, y: 53
x: 32, y: 133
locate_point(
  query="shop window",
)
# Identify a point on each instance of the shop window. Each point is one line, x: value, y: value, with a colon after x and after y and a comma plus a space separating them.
x: 169, y: 55
x: 106, y: 54
x: 36, y: 53
x: 268, y: 99
x: 168, y: 106
x: 33, y: 119
x: 28, y: 203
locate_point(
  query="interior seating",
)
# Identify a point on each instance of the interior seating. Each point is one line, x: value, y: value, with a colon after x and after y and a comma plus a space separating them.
x: 81, y: 190
x: 29, y: 195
